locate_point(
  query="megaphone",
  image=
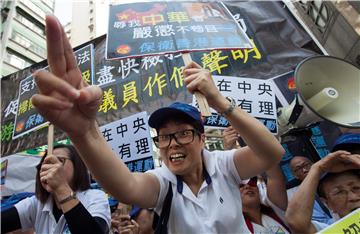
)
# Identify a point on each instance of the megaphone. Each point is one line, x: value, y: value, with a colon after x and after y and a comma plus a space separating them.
x: 328, y: 88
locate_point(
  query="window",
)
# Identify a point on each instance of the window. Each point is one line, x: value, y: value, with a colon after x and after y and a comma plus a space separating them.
x: 34, y: 8
x: 28, y: 44
x: 29, y: 24
x: 16, y: 60
x: 318, y: 12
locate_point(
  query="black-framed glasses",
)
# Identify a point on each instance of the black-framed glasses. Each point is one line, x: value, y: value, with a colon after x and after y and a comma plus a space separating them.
x: 63, y: 159
x: 303, y: 166
x: 181, y: 137
x: 343, y: 193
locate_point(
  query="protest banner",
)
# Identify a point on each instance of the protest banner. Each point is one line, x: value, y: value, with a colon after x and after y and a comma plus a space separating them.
x: 4, y: 164
x: 350, y: 224
x: 148, y: 83
x: 18, y: 174
x: 130, y: 139
x: 27, y: 119
x: 84, y: 58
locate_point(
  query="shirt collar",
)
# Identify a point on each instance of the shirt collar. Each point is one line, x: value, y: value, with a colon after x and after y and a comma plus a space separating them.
x: 179, y: 184
x: 208, y: 166
x: 48, y: 205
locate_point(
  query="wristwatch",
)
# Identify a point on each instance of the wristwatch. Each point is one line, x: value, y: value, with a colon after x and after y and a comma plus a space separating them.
x: 68, y: 198
x: 230, y: 108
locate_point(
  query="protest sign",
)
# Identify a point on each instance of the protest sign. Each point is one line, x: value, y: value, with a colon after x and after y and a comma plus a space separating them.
x: 27, y: 119
x: 84, y: 58
x: 252, y: 95
x: 130, y: 139
x: 149, y: 28
x: 350, y: 224
x: 4, y: 164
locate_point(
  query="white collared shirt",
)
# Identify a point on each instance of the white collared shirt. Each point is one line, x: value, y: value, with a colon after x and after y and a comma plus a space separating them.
x: 269, y: 225
x: 217, y: 207
x: 34, y: 214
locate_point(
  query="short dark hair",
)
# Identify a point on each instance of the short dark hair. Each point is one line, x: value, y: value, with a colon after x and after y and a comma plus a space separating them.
x: 81, y: 179
x: 329, y: 176
x: 183, y: 118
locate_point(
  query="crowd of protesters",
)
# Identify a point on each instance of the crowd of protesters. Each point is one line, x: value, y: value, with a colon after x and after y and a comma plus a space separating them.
x: 236, y: 190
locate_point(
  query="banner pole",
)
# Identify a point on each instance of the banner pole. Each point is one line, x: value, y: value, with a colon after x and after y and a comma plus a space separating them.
x: 201, y: 100
x: 50, y: 139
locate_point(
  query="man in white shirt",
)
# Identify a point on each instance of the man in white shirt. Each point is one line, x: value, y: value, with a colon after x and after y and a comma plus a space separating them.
x: 300, y: 167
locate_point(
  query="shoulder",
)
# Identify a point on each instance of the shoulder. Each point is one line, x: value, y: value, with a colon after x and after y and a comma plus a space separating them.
x: 90, y: 195
x: 163, y: 174
x: 91, y: 192
x: 218, y: 157
x: 29, y: 201
x: 318, y: 225
x: 220, y: 153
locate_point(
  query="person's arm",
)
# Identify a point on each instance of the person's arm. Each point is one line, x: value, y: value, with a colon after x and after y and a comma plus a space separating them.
x: 276, y: 187
x: 80, y: 221
x: 300, y: 208
x: 65, y: 100
x: 127, y: 187
x: 10, y: 220
x: 262, y: 151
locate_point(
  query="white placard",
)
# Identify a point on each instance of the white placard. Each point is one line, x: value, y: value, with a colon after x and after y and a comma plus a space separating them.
x: 129, y: 137
x: 255, y: 96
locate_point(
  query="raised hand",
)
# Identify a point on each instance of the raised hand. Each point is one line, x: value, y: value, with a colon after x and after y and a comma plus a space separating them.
x: 230, y: 136
x: 198, y: 79
x: 65, y: 99
x: 52, y: 174
x: 124, y: 224
x: 339, y: 161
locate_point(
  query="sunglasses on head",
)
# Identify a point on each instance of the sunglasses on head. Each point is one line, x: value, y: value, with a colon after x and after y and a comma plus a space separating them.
x: 252, y: 182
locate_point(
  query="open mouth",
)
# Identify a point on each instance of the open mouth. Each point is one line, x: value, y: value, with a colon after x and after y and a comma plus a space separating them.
x: 177, y: 157
x: 250, y: 192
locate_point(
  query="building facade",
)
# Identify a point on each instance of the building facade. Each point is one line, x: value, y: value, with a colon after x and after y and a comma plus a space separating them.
x: 23, y: 40
x: 83, y: 24
x: 335, y: 25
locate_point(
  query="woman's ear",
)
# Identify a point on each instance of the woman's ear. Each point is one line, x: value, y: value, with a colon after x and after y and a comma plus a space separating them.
x: 203, y: 137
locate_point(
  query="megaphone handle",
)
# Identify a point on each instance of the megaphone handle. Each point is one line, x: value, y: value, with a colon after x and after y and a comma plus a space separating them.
x: 201, y: 100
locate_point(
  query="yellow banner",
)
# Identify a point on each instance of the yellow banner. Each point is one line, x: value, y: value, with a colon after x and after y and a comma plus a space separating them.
x: 350, y: 224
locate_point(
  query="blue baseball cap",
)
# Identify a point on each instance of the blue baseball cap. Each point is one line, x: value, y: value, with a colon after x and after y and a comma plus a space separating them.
x: 135, y: 212
x: 175, y: 110
x: 347, y: 141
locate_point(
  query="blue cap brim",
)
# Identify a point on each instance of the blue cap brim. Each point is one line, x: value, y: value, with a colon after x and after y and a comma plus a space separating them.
x: 347, y: 141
